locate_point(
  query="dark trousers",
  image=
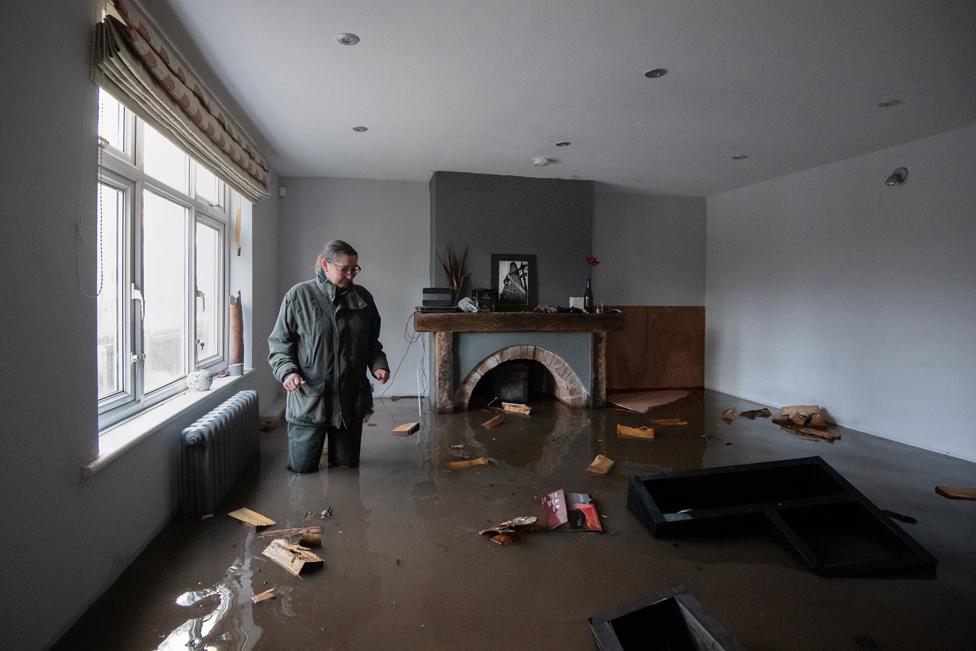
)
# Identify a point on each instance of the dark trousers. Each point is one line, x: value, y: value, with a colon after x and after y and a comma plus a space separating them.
x: 305, y: 443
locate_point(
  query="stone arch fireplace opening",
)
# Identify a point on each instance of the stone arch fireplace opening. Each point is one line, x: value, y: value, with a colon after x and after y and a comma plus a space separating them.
x: 520, y: 380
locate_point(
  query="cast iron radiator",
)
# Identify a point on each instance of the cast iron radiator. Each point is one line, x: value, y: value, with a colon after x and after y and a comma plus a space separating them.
x: 214, y: 451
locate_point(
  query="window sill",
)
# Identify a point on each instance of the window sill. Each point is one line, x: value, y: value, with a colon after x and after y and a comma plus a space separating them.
x: 114, y: 441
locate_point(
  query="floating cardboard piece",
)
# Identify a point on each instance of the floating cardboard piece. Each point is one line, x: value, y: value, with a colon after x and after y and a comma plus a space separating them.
x: 728, y: 414
x: 578, y: 509
x: 803, y: 416
x: 668, y: 422
x: 251, y: 517
x: 956, y: 493
x: 643, y: 432
x: 600, y: 465
x: 466, y: 463
x: 263, y: 596
x: 294, y: 531
x: 293, y: 558
x: 513, y: 526
x: 517, y: 408
x: 819, y: 433
x: 494, y: 421
x: 643, y: 401
x: 406, y: 429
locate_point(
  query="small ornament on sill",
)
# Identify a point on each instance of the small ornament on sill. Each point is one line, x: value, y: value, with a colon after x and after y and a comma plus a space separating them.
x: 199, y: 380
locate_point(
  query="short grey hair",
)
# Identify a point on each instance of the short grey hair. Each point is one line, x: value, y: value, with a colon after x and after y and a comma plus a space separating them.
x: 332, y: 249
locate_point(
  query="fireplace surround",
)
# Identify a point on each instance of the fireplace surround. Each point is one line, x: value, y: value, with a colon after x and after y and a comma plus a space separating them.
x: 467, y: 346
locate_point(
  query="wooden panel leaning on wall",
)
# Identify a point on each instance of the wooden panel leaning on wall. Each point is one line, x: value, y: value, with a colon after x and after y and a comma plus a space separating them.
x: 658, y: 348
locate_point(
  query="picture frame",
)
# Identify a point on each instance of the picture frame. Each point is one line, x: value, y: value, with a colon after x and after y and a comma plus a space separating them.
x: 514, y: 281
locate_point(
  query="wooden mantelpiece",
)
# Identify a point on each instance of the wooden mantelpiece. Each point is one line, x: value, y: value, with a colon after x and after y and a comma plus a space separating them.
x: 446, y: 325
x: 515, y: 322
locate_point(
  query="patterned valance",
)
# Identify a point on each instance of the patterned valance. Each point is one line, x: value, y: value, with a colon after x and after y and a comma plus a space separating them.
x: 132, y: 61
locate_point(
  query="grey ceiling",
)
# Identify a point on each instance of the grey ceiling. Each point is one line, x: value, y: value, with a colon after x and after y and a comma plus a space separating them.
x: 485, y: 85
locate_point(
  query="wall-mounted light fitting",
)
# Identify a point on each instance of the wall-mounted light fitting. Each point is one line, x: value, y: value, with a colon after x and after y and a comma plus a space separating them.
x: 347, y: 38
x: 897, y: 177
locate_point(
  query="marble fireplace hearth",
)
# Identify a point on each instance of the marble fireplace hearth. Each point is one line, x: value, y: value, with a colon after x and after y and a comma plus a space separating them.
x: 572, y: 347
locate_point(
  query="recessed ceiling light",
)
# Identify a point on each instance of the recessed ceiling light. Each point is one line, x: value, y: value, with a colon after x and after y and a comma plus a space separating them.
x: 347, y: 38
x: 360, y: 129
x: 889, y: 102
x: 656, y: 73
x: 541, y: 161
x: 563, y: 143
x: 740, y: 156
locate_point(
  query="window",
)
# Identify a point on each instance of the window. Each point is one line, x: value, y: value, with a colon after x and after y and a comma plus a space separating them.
x: 163, y: 259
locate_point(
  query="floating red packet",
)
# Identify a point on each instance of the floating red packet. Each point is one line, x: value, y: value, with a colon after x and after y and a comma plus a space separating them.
x: 578, y: 509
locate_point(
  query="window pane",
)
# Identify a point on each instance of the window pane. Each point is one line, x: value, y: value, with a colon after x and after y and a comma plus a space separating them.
x: 110, y: 339
x: 208, y: 292
x: 164, y: 161
x: 208, y: 186
x: 164, y: 286
x: 111, y: 120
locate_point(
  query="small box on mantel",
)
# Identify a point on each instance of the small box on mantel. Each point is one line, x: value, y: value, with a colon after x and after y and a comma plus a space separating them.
x: 438, y: 297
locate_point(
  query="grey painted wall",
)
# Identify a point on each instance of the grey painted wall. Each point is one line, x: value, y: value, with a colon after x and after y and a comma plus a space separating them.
x: 550, y: 218
x: 48, y: 394
x: 387, y: 222
x: 826, y: 286
x: 651, y: 249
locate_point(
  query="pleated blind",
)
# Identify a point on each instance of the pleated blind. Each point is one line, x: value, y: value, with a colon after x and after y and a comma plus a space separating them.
x: 134, y: 62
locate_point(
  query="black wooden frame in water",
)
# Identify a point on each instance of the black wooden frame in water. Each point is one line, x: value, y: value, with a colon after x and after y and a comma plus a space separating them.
x: 670, y: 619
x: 831, y: 525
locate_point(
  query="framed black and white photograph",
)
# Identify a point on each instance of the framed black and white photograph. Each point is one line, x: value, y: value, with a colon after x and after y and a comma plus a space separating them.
x: 513, y: 281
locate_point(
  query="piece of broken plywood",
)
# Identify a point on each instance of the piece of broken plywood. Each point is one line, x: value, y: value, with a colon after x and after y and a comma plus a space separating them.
x: 517, y: 408
x: 728, y: 414
x: 406, y: 429
x: 819, y: 433
x: 600, y: 465
x: 293, y: 558
x: 466, y: 463
x: 293, y: 531
x: 493, y: 422
x: 263, y: 596
x: 251, y: 517
x: 669, y: 422
x: 643, y: 432
x: 956, y: 493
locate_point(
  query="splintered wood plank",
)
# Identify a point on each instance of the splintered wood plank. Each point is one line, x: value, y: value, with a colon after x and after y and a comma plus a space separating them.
x: 406, y: 429
x: 627, y: 431
x: 494, y: 421
x: 819, y: 433
x: 293, y: 558
x: 466, y: 463
x: 251, y: 517
x: 956, y: 493
x: 668, y: 422
x: 263, y: 596
x: 294, y: 531
x: 728, y: 414
x: 517, y: 408
x: 600, y: 465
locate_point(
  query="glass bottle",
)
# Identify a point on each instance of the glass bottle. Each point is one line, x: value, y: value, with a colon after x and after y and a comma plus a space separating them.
x: 588, y: 297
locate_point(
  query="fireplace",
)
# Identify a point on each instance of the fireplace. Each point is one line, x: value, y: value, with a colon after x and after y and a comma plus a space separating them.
x: 571, y: 347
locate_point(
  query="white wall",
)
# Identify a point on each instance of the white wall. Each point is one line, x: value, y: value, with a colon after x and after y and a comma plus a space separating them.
x: 388, y: 222
x: 67, y: 538
x: 828, y: 287
x: 651, y: 249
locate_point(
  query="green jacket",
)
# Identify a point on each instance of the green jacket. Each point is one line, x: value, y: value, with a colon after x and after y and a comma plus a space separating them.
x: 329, y: 338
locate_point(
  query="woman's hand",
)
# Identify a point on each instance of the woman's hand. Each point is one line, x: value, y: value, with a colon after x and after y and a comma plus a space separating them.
x: 292, y: 381
x: 382, y: 375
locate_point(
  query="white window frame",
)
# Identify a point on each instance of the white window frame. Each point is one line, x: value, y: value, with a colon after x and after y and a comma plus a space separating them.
x: 124, y: 170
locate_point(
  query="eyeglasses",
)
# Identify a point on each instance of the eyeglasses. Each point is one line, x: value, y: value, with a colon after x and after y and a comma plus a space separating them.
x: 349, y: 271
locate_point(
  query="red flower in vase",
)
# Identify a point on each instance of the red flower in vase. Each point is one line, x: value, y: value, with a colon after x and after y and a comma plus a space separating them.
x: 590, y: 260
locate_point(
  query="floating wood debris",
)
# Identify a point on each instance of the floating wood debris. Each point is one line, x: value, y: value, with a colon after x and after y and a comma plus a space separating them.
x: 310, y: 540
x: 517, y: 408
x: 293, y: 558
x: 406, y: 429
x: 728, y: 414
x: 515, y: 525
x: 600, y: 465
x: 956, y: 493
x: 263, y: 596
x: 819, y: 433
x: 627, y: 431
x: 668, y: 422
x: 466, y: 463
x: 494, y: 421
x: 294, y: 531
x: 803, y: 416
x: 752, y: 414
x: 251, y: 517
